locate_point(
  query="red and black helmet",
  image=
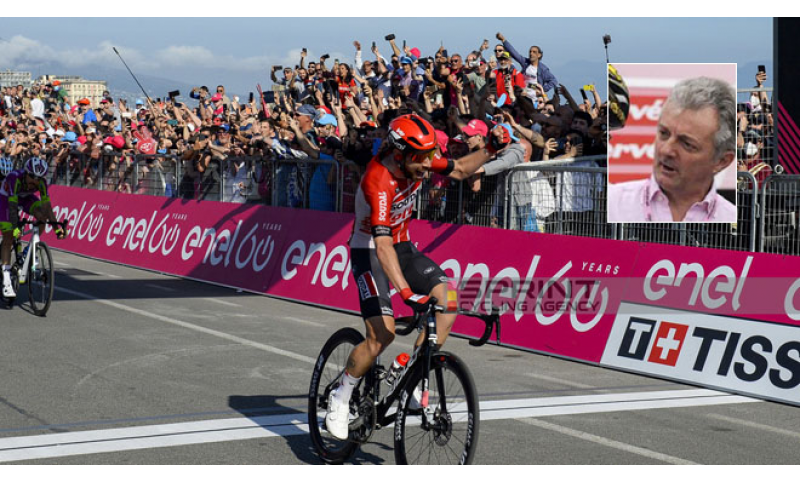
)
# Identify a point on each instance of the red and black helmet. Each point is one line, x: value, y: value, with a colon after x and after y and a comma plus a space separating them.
x: 411, y: 134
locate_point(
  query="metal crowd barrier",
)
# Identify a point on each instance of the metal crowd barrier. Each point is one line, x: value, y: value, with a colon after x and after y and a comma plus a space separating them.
x: 565, y: 197
x: 297, y: 183
x: 780, y: 200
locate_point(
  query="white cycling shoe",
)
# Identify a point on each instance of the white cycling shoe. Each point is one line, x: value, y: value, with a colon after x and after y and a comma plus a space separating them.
x: 8, y: 290
x: 338, y: 417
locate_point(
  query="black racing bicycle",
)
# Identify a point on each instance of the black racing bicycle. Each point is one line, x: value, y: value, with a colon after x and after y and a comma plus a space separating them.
x: 34, y: 267
x: 443, y: 431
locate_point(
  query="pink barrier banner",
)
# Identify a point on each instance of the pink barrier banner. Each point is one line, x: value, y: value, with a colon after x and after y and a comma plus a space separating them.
x: 557, y: 294
x: 553, y: 299
x: 724, y: 319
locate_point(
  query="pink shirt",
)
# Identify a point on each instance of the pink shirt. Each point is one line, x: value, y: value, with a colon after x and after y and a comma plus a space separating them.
x: 644, y: 201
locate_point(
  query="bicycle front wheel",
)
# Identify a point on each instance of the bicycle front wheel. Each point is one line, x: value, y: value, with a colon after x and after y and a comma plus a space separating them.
x: 41, y: 280
x: 450, y: 435
x: 330, y: 366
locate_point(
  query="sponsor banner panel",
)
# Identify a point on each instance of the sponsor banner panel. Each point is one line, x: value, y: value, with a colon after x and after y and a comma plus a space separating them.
x: 761, y: 287
x: 554, y: 299
x: 237, y: 245
x: 558, y: 295
x: 747, y: 356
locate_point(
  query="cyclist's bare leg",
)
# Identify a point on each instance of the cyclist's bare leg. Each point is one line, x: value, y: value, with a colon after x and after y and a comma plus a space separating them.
x: 5, y: 248
x: 380, y: 334
x: 444, y: 321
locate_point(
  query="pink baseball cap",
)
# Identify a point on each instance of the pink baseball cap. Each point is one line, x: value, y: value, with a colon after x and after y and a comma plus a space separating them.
x: 216, y: 97
x: 415, y: 52
x: 476, y: 126
x: 442, y: 140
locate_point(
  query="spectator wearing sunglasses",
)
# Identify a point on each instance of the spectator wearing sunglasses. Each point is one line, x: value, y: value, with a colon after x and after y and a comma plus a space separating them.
x: 532, y: 67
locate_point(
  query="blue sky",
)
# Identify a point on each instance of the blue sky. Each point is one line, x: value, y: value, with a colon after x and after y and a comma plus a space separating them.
x: 237, y: 52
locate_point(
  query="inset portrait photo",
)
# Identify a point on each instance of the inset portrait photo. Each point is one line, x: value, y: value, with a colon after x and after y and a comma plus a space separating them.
x: 672, y: 143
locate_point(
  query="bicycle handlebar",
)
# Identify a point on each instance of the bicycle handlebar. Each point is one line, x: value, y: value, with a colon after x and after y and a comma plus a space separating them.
x: 23, y: 223
x: 491, y: 320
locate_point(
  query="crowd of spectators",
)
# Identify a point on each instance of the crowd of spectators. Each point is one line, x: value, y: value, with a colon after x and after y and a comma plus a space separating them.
x: 755, y: 140
x: 330, y: 115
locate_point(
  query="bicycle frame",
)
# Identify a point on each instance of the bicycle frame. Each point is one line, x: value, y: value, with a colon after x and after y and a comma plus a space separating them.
x: 31, y: 256
x: 421, y: 356
x: 447, y: 405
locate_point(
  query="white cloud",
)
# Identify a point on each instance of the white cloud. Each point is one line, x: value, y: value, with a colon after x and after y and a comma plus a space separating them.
x: 20, y: 50
x: 23, y: 53
x: 183, y: 55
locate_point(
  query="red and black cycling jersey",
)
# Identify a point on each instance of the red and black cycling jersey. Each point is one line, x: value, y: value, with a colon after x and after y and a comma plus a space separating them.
x: 384, y: 204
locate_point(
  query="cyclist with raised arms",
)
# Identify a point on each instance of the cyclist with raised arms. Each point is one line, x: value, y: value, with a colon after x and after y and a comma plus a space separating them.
x: 19, y: 190
x: 382, y: 252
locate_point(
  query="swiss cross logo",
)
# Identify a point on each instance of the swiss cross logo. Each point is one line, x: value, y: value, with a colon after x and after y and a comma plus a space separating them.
x: 668, y: 343
x: 662, y: 341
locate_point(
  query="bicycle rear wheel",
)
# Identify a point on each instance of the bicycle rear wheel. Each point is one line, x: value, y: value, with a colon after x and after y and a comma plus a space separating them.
x: 452, y: 434
x: 330, y: 365
x: 41, y: 280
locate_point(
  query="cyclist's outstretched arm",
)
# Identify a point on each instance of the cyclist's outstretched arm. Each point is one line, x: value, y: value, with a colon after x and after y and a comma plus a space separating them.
x: 466, y: 166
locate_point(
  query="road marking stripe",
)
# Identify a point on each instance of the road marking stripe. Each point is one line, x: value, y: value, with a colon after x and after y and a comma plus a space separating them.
x: 560, y: 381
x: 302, y: 321
x: 596, y: 439
x: 221, y: 430
x: 768, y: 428
x: 193, y: 327
x: 156, y: 286
x: 226, y: 303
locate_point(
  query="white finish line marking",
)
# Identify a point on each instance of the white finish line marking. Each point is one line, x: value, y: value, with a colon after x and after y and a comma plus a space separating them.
x: 223, y: 430
x: 193, y: 327
x: 596, y: 439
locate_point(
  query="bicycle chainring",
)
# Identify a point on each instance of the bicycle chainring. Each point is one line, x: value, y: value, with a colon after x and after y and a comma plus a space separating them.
x: 362, y: 427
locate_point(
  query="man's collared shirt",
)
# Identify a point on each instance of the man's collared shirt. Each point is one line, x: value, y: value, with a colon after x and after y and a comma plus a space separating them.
x: 644, y: 201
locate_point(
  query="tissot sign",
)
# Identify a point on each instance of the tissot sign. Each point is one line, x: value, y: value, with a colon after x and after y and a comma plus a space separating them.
x: 751, y: 357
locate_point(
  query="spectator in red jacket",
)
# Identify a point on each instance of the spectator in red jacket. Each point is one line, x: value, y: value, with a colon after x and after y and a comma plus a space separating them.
x: 507, y: 78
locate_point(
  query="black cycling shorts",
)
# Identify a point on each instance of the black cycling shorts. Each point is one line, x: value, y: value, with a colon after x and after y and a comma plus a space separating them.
x: 421, y: 273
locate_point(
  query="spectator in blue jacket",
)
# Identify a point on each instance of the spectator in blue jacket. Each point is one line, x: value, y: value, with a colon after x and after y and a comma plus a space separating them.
x: 532, y: 67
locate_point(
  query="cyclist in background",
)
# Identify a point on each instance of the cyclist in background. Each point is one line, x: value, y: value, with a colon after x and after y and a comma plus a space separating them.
x: 382, y: 252
x: 19, y: 190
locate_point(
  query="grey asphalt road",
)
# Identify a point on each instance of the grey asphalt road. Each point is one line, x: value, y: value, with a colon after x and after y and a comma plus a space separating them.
x: 134, y: 367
